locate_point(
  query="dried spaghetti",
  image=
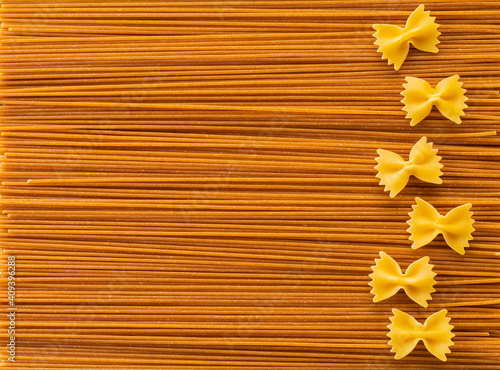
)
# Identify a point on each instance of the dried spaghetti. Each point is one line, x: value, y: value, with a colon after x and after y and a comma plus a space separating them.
x: 191, y: 183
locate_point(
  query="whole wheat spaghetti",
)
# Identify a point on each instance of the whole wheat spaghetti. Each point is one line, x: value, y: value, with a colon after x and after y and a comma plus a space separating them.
x: 191, y: 184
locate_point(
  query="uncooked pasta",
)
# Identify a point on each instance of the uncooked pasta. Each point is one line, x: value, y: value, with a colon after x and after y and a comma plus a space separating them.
x: 192, y: 184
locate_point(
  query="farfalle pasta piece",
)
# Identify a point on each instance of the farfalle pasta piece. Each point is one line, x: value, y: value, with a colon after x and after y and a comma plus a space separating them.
x: 394, y: 42
x: 426, y: 223
x: 405, y: 332
x: 394, y: 172
x: 417, y: 281
x: 448, y: 97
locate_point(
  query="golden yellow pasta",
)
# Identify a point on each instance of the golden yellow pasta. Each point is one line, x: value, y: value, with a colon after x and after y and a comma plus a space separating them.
x: 405, y: 332
x: 420, y: 97
x: 423, y: 163
x: 388, y: 279
x: 426, y: 223
x: 394, y: 42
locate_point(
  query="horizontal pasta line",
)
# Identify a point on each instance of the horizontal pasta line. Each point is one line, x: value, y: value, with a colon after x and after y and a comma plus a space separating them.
x: 233, y: 68
x: 248, y: 35
x: 207, y: 107
x: 347, y: 232
x: 188, y: 12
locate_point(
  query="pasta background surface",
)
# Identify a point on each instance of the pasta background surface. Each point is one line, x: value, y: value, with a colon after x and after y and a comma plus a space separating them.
x: 191, y: 183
